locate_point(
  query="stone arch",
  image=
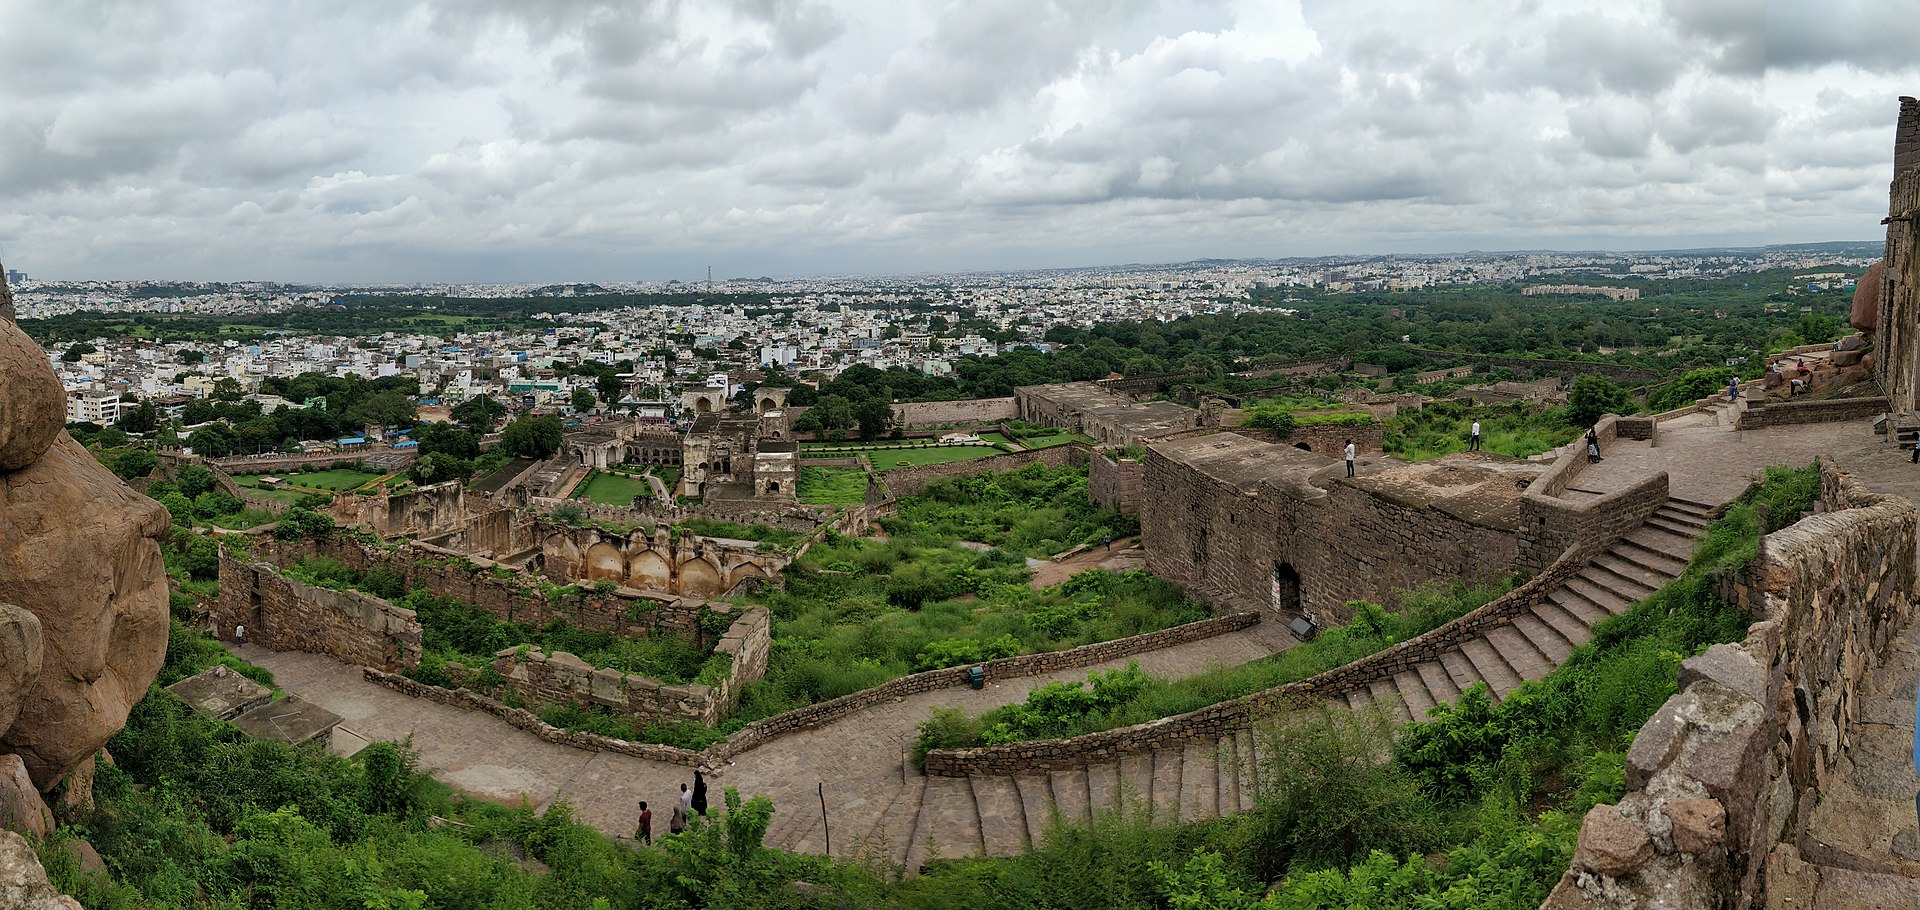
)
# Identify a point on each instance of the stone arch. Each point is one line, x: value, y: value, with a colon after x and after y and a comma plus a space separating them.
x: 773, y: 486
x: 702, y: 406
x: 1303, y: 447
x: 744, y: 574
x: 603, y: 561
x: 648, y: 571
x: 699, y: 577
x: 767, y: 404
x: 1286, y: 587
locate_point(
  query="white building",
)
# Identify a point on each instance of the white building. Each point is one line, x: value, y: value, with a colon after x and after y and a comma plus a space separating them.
x: 92, y: 406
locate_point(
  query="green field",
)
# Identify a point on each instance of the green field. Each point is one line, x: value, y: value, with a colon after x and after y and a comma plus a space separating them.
x: 334, y: 479
x: 996, y: 437
x: 888, y: 460
x: 833, y: 486
x: 1048, y: 442
x: 612, y: 489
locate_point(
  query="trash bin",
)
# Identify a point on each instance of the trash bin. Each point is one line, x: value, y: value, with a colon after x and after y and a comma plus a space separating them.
x: 976, y: 677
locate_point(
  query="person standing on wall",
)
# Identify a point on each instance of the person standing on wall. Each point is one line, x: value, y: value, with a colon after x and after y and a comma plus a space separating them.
x: 1473, y: 442
x: 1349, y: 453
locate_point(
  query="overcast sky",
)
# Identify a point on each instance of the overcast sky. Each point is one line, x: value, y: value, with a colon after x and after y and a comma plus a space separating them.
x: 548, y: 140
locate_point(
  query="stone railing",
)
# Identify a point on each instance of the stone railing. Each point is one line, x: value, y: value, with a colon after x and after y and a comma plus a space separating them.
x: 1759, y: 414
x: 1639, y: 427
x: 1549, y: 525
x: 282, y: 614
x: 762, y: 731
x: 1723, y: 776
x: 539, y: 677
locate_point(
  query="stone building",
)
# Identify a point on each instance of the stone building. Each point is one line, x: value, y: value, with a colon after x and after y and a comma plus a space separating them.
x: 1107, y: 416
x: 1263, y: 526
x: 1896, y: 332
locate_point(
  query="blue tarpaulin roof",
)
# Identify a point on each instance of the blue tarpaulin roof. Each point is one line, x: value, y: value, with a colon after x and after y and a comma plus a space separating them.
x: 352, y: 440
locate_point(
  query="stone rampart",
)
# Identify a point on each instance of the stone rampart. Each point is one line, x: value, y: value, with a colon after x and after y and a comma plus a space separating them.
x: 1759, y: 414
x: 1325, y: 440
x: 1114, y: 483
x: 913, y: 414
x: 1724, y: 776
x: 287, y: 615
x: 1641, y: 428
x: 911, y: 480
x: 420, y: 512
x: 1550, y: 524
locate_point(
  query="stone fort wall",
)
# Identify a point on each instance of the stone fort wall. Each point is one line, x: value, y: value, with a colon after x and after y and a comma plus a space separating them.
x: 1114, y: 483
x: 1897, y: 335
x: 913, y: 414
x: 282, y: 614
x: 911, y: 480
x: 1724, y: 775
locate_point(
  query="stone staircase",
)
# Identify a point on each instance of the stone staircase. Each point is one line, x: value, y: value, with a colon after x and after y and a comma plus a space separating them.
x: 925, y: 818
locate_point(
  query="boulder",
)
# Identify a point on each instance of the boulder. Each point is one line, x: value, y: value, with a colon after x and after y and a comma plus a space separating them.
x: 6, y: 298
x: 34, y: 409
x: 1610, y: 844
x: 1699, y: 825
x: 21, y: 808
x: 1866, y: 298
x: 20, y: 649
x: 80, y: 550
x: 1851, y: 343
x: 23, y: 882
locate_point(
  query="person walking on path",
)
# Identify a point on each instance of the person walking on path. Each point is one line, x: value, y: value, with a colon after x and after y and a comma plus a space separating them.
x: 643, y: 832
x: 678, y: 822
x: 1473, y: 443
x: 1916, y: 450
x: 698, y: 803
x: 1349, y: 453
x: 1733, y: 390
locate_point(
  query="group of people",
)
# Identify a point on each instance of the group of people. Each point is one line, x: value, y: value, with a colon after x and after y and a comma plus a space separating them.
x: 692, y: 802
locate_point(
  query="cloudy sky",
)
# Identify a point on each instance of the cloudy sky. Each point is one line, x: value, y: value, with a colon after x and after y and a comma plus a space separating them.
x: 545, y: 140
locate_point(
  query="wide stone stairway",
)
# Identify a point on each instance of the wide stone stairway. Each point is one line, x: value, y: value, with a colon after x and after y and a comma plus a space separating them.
x: 925, y: 818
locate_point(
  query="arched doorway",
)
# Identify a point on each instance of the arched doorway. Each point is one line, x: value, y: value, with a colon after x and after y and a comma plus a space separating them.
x: 1286, y: 588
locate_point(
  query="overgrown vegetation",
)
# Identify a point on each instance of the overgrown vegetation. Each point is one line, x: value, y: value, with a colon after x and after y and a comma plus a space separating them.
x: 1443, y: 427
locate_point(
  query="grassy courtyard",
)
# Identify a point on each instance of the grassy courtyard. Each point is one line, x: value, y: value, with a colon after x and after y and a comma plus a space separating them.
x: 332, y: 479
x: 612, y: 489
x: 902, y: 458
x: 832, y: 486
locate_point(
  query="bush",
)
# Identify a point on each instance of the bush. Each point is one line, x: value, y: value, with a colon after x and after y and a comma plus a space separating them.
x: 301, y: 523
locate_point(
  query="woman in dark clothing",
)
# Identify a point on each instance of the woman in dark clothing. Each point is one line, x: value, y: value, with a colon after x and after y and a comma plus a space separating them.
x: 699, y: 792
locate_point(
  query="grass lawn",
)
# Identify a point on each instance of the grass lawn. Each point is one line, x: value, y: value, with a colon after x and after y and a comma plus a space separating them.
x: 1048, y: 442
x: 996, y: 437
x: 612, y: 489
x: 885, y: 461
x: 333, y: 479
x: 833, y: 486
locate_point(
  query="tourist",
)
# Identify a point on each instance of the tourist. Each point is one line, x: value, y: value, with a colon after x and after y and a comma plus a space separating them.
x: 1916, y: 450
x: 678, y: 821
x: 1349, y: 452
x: 698, y: 798
x: 1733, y: 389
x: 1593, y: 445
x: 643, y: 832
x: 1473, y: 443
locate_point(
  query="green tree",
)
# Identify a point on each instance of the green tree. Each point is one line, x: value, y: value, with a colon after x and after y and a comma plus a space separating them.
x: 480, y: 411
x: 141, y: 418
x: 1593, y: 397
x: 180, y: 507
x: 215, y: 440
x: 447, y: 439
x: 386, y: 409
x: 193, y: 480
x: 1817, y: 328
x: 1271, y: 416
x: 875, y: 416
x: 111, y: 438
x: 610, y: 387
x: 437, y: 467
x: 583, y: 400
x: 532, y: 437
x: 78, y: 350
x: 134, y: 465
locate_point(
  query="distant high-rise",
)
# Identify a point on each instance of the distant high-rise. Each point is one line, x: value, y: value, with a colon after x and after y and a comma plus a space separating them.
x: 15, y: 276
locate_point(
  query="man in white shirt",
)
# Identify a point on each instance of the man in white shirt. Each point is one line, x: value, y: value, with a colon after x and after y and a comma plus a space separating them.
x: 1473, y: 444
x: 1349, y: 453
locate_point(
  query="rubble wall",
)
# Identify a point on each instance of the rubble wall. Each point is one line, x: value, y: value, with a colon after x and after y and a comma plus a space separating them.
x: 282, y: 614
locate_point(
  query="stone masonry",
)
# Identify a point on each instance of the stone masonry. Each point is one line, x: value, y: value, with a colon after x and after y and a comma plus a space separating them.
x: 288, y: 615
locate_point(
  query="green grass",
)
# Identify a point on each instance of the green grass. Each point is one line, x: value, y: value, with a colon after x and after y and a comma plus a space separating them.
x: 901, y: 458
x: 993, y: 437
x: 612, y: 489
x: 1048, y: 442
x: 251, y: 517
x: 833, y: 486
x: 332, y: 479
x: 1442, y: 428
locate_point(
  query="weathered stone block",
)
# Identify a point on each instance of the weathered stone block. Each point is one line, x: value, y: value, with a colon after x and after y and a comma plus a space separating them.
x: 1610, y: 844
x: 1699, y: 825
x: 21, y: 808
x: 1730, y: 666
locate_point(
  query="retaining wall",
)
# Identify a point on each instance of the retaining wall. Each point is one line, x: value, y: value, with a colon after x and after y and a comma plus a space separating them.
x: 1115, y: 483
x: 911, y: 480
x: 282, y: 614
x: 1760, y: 413
x: 940, y: 413
x: 1549, y: 524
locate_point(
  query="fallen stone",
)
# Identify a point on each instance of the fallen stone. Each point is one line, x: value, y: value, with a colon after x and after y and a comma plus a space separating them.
x: 1699, y: 825
x: 1851, y: 343
x: 21, y: 808
x: 34, y: 409
x: 1844, y: 358
x: 23, y: 882
x: 87, y: 858
x: 1610, y: 845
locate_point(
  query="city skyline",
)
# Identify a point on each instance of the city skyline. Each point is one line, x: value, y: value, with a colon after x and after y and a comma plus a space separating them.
x: 425, y: 143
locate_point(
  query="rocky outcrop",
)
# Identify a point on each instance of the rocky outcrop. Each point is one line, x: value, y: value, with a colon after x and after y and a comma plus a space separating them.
x: 80, y: 552
x: 6, y: 298
x: 1866, y: 298
x: 23, y: 882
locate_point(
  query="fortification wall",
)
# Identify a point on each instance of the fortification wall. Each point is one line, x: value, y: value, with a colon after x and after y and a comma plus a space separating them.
x: 1549, y: 525
x: 1722, y: 779
x: 286, y: 615
x: 1324, y: 440
x: 421, y: 512
x: 911, y: 480
x: 1760, y: 413
x: 912, y: 414
x: 1897, y: 332
x: 1115, y: 483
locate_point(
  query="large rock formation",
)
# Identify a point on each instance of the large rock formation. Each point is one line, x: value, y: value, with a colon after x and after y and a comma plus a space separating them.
x: 23, y: 883
x: 1866, y: 298
x: 79, y: 551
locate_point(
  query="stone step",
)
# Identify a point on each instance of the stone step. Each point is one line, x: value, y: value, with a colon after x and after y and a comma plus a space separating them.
x: 1070, y: 794
x: 1386, y: 695
x: 1566, y: 624
x: 1036, y: 804
x: 1166, y: 785
x: 1668, y: 543
x: 1526, y: 659
x: 1628, y: 588
x: 1359, y: 697
x: 1698, y: 509
x: 1226, y: 758
x: 1673, y: 527
x: 949, y: 825
x: 1003, y: 823
x: 1550, y: 642
x: 1439, y: 683
x: 1599, y: 595
x: 1655, y: 561
x: 1460, y: 669
x: 1199, y: 783
x: 893, y: 834
x: 1586, y: 611
x: 1500, y: 678
x: 1681, y: 517
x: 1622, y: 567
x: 1136, y: 782
x: 1413, y: 693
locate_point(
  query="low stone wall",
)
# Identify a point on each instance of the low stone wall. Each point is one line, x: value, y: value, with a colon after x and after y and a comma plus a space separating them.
x: 762, y: 731
x: 941, y: 413
x: 1549, y: 525
x: 1642, y: 428
x: 1115, y: 483
x: 1722, y: 778
x: 282, y: 614
x: 540, y: 677
x: 1324, y: 440
x: 908, y: 481
x: 1759, y: 414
